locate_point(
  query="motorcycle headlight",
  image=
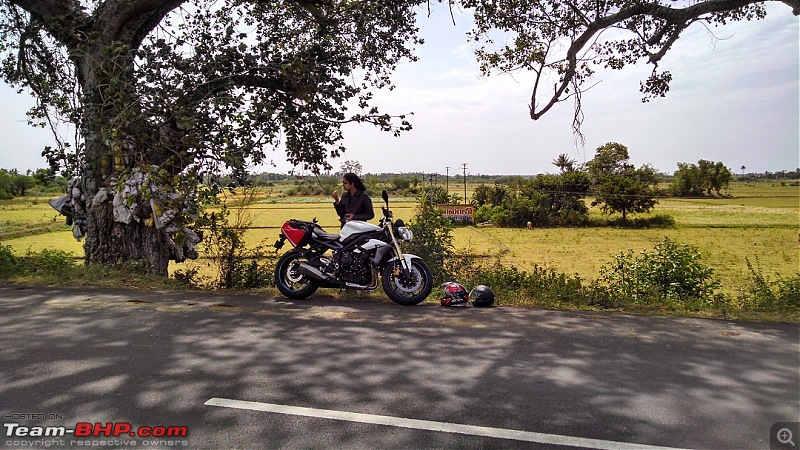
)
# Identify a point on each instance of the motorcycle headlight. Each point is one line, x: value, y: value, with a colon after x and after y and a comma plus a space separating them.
x: 405, y: 234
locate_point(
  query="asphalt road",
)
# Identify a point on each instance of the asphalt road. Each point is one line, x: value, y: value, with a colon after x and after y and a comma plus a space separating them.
x: 254, y: 372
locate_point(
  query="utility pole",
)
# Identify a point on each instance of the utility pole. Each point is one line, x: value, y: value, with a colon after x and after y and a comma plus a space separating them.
x: 464, y: 166
x: 447, y: 180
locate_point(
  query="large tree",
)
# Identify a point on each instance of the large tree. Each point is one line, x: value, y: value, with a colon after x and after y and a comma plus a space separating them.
x: 566, y: 41
x: 618, y: 185
x: 163, y: 93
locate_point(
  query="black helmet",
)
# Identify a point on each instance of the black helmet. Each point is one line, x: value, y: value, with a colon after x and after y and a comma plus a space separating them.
x: 454, y: 294
x: 482, y: 296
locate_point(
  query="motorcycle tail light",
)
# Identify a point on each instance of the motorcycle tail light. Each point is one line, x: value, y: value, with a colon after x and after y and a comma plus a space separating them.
x: 294, y: 235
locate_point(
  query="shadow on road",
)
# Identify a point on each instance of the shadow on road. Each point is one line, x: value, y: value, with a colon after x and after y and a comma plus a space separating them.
x: 155, y: 358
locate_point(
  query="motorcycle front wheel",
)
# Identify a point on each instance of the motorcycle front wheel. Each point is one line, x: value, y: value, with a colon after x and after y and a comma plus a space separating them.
x: 407, y: 288
x: 289, y: 281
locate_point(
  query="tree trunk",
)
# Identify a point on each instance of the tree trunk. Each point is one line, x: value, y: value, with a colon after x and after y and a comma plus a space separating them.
x: 113, y: 150
x: 116, y: 243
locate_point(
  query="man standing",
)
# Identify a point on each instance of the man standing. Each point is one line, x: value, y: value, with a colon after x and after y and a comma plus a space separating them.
x: 355, y: 203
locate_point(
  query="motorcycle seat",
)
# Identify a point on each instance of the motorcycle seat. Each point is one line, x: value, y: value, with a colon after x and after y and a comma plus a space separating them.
x: 325, y: 236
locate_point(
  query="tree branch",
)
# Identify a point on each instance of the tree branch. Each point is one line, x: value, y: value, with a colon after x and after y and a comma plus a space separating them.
x: 64, y: 19
x: 679, y: 18
x: 130, y: 22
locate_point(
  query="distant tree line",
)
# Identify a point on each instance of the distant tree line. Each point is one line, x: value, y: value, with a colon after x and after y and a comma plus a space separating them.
x: 15, y: 184
x: 781, y: 175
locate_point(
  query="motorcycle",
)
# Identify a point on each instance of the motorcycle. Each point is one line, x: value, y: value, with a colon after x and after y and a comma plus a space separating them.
x: 361, y: 253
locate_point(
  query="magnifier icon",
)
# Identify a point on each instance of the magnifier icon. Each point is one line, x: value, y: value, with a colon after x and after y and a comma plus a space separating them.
x: 785, y: 436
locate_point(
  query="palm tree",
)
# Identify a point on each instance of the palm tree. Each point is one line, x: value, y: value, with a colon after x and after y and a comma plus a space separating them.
x: 564, y: 163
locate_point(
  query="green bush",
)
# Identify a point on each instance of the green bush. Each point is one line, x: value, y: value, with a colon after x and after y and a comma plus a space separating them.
x: 789, y: 292
x: 9, y: 263
x: 656, y: 221
x: 758, y: 292
x: 433, y: 239
x: 51, y: 261
x: 46, y: 261
x: 673, y: 272
x: 540, y: 286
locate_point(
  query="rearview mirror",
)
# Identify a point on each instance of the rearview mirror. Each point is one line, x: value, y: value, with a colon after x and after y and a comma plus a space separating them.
x: 385, y: 196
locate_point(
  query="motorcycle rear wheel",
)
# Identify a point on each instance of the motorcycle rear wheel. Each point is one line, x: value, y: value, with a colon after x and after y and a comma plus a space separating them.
x: 289, y: 281
x: 410, y: 289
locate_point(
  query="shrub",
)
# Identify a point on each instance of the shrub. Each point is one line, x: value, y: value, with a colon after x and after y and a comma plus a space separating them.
x: 656, y: 221
x: 789, y: 292
x: 758, y: 292
x: 540, y: 286
x: 9, y: 263
x: 433, y: 240
x: 50, y: 261
x: 673, y: 272
x: 46, y: 261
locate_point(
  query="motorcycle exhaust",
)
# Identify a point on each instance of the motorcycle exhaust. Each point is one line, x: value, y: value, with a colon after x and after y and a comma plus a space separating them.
x: 315, y: 274
x: 312, y: 272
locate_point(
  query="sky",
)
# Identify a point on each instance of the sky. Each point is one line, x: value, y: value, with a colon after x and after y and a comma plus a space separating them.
x: 734, y: 98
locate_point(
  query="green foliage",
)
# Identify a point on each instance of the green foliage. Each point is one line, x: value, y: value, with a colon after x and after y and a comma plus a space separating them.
x: 618, y: 186
x: 609, y: 159
x: 561, y: 198
x: 538, y: 286
x: 564, y: 163
x: 317, y: 185
x: 669, y: 278
x: 46, y: 261
x: 559, y: 42
x: 188, y: 93
x: 655, y: 221
x: 758, y: 292
x: 437, y: 195
x: 547, y: 200
x: 8, y: 262
x: 433, y: 239
x: 401, y: 183
x: 480, y: 195
x: 14, y: 184
x: 672, y: 272
x: 705, y: 178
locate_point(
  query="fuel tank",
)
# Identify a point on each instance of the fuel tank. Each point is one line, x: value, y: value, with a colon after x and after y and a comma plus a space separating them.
x: 354, y: 227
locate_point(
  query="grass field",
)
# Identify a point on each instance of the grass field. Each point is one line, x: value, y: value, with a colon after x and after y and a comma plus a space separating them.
x: 759, y: 223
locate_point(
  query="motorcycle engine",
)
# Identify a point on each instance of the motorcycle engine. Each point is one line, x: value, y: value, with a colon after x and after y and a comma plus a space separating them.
x: 354, y: 267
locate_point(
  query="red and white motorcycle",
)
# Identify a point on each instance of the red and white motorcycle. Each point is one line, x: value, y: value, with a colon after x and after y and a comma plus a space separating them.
x: 361, y: 253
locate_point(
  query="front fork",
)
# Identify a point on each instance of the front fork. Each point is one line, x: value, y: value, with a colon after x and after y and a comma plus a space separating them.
x: 398, y: 252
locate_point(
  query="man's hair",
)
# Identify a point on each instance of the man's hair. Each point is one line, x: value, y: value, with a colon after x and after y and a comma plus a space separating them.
x: 355, y: 181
